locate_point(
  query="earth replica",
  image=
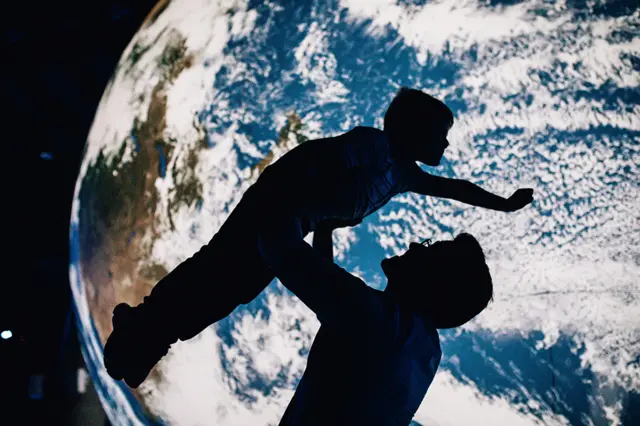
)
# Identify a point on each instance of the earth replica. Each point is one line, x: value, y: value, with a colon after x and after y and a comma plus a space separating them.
x: 208, y: 93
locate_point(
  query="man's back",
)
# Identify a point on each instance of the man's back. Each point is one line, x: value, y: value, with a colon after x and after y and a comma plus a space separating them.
x: 375, y: 377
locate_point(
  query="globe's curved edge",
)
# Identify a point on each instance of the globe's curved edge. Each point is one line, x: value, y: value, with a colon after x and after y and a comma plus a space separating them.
x: 115, y: 399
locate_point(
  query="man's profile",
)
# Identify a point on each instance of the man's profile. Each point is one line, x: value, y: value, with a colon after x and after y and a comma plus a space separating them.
x: 376, y: 352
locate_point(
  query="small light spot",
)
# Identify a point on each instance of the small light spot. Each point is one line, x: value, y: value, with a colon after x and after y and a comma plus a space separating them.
x: 36, y: 386
x: 83, y: 380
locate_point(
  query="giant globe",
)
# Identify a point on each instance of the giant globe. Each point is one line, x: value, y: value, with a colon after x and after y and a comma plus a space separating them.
x: 545, y: 95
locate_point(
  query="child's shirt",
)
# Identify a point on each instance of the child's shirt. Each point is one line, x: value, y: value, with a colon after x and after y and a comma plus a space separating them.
x: 345, y: 177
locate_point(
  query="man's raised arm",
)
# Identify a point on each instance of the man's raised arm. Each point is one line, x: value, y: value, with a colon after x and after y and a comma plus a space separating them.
x: 323, y: 240
x: 339, y: 299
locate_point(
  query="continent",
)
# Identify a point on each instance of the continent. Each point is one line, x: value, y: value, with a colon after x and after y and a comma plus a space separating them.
x: 119, y: 217
x: 290, y: 136
x: 187, y: 189
x: 119, y: 204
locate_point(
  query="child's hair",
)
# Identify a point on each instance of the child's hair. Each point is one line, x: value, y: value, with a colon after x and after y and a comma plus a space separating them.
x: 465, y: 287
x: 409, y: 110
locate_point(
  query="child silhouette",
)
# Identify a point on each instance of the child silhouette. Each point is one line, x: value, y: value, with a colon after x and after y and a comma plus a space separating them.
x: 341, y: 179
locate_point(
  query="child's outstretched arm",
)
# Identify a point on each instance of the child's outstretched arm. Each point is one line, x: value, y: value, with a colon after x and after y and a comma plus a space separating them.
x: 467, y: 192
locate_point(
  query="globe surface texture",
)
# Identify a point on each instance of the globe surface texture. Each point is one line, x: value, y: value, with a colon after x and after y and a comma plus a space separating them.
x: 545, y: 95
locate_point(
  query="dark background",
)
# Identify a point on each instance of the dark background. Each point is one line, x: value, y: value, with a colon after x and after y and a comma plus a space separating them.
x: 57, y: 58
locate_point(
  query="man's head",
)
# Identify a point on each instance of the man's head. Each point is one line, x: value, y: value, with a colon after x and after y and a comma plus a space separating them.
x: 448, y: 281
x: 417, y: 125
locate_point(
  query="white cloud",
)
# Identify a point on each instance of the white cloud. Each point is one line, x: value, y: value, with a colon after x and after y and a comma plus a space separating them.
x: 556, y: 268
x: 449, y: 402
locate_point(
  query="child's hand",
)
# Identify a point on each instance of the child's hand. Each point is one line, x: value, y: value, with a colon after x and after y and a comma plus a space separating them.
x: 519, y: 199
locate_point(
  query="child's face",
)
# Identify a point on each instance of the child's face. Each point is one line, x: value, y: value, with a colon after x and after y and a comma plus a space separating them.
x: 430, y: 151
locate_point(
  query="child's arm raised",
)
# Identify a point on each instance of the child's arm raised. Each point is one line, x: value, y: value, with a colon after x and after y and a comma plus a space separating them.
x: 467, y: 192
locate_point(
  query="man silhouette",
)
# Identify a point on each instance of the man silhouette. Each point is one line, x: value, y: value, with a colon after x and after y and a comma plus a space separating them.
x: 376, y: 352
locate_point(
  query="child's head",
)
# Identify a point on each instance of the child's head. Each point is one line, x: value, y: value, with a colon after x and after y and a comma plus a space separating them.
x: 448, y: 281
x: 417, y: 125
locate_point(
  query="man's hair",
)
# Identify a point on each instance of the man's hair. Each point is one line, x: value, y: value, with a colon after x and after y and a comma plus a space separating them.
x: 410, y: 109
x: 464, y: 285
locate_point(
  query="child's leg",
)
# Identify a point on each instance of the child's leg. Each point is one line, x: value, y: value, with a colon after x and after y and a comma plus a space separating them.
x: 208, y: 286
x: 232, y: 270
x: 284, y: 235
x: 202, y: 290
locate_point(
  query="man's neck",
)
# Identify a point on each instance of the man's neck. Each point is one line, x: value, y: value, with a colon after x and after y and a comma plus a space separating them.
x: 388, y: 291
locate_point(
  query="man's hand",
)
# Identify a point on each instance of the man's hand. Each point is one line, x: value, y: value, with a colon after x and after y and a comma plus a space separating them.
x: 331, y: 224
x: 519, y: 199
x: 323, y: 235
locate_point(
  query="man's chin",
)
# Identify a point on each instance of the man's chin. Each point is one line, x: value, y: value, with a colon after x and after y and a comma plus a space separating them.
x: 384, y: 264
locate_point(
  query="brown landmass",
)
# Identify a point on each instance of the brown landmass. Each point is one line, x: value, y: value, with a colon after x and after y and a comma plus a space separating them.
x: 293, y: 126
x: 119, y: 203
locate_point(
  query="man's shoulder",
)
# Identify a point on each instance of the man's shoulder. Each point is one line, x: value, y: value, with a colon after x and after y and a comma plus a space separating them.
x: 379, y: 309
x: 372, y: 130
x: 430, y: 342
x: 413, y: 327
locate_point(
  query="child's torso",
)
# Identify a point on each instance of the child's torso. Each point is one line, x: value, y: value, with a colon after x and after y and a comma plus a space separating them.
x: 346, y: 177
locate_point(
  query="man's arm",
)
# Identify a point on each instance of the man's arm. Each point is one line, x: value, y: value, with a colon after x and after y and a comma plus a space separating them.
x: 467, y: 192
x: 323, y: 241
x: 323, y: 236
x: 340, y: 300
